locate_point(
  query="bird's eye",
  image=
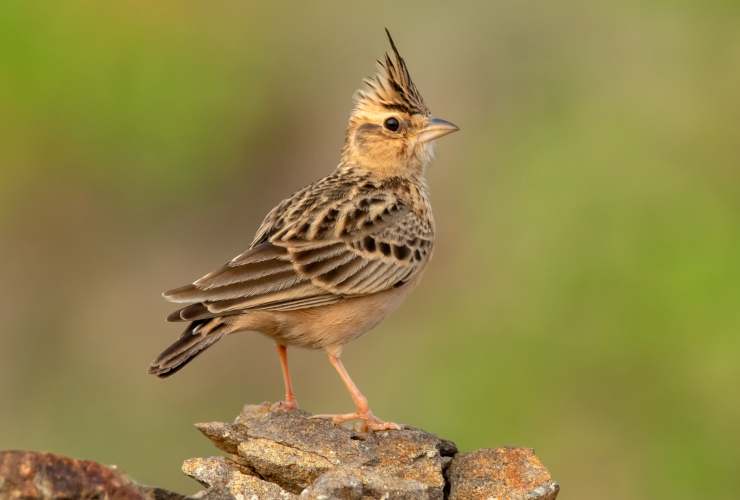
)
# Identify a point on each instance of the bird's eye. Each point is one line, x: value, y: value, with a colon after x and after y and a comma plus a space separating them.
x: 391, y: 124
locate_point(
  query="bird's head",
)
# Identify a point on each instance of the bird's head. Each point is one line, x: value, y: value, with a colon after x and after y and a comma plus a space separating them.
x: 391, y: 131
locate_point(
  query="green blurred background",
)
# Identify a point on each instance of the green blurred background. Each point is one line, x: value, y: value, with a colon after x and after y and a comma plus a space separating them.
x: 584, y: 299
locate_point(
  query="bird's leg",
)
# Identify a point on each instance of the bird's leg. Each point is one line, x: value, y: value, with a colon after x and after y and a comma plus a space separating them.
x: 290, y: 402
x: 369, y: 421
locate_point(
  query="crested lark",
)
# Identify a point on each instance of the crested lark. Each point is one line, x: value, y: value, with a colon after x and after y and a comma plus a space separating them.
x: 333, y: 260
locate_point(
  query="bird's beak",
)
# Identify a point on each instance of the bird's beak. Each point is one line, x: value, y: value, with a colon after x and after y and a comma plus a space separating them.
x: 437, y: 128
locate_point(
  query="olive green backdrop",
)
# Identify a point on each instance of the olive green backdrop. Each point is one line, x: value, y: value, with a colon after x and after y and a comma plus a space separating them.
x: 584, y: 298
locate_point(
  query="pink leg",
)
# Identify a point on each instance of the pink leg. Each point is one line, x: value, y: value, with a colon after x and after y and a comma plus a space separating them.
x: 369, y: 421
x: 290, y: 402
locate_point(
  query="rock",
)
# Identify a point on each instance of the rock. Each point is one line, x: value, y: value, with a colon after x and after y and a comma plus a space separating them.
x: 294, y: 451
x: 28, y: 474
x: 315, y: 459
x: 225, y: 480
x: 510, y: 473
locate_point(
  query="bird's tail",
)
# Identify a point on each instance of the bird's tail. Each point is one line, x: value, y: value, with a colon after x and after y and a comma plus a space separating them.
x: 197, y: 337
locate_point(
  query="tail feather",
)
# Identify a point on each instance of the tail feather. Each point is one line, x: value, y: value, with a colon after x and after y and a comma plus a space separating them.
x: 197, y: 337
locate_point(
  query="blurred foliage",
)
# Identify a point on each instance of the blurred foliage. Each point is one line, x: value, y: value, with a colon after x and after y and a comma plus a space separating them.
x: 584, y: 297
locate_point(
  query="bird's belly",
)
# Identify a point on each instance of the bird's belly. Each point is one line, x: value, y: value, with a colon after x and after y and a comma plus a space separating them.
x: 336, y: 324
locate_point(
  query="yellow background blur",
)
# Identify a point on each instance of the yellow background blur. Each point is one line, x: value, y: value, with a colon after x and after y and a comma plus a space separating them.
x: 584, y: 299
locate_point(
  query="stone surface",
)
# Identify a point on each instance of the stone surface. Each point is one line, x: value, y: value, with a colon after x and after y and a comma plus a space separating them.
x: 366, y: 482
x: 28, y: 474
x: 312, y: 458
x: 224, y: 479
x: 510, y: 473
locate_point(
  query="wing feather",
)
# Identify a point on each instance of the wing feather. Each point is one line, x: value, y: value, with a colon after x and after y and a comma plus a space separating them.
x: 309, y: 255
x: 229, y: 275
x: 284, y: 297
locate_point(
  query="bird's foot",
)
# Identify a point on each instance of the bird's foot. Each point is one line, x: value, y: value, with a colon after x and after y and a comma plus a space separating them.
x: 285, y: 405
x: 368, y: 421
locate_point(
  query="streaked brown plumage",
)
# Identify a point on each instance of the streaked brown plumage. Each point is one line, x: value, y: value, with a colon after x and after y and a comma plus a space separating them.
x: 333, y: 260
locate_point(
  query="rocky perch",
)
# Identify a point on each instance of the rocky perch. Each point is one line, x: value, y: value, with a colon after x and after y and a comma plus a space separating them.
x: 273, y: 453
x: 276, y: 454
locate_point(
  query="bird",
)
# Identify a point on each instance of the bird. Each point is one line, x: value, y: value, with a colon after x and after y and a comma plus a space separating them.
x: 330, y: 262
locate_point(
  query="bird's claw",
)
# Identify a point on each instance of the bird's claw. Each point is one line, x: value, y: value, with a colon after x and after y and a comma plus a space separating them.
x: 285, y: 405
x: 369, y: 422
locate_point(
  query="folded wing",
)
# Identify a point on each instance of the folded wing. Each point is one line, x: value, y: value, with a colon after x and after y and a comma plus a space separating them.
x: 354, y: 246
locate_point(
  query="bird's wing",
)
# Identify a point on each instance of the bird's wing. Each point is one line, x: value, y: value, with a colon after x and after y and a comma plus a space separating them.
x: 313, y: 254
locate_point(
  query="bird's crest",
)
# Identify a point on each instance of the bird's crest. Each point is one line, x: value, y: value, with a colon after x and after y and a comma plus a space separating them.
x: 391, y: 88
